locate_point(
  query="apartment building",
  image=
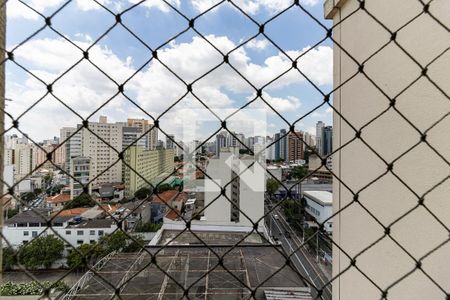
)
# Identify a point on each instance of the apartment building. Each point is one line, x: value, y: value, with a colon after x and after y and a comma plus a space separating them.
x: 81, y: 174
x: 101, y: 143
x: 146, y: 126
x: 145, y: 164
x: 319, y: 137
x: 71, y: 140
x: 295, y: 147
x: 244, y: 196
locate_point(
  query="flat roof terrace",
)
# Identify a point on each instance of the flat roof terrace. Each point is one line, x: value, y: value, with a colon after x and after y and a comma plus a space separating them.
x: 195, y: 269
x: 176, y: 237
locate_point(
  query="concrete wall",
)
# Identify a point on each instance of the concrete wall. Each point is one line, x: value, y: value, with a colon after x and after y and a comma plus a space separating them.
x: 390, y: 135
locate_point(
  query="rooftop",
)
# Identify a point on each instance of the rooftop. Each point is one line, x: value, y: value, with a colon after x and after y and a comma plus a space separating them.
x: 136, y: 206
x: 323, y: 197
x: 175, y: 237
x: 59, y: 198
x: 37, y: 215
x: 196, y: 268
x: 70, y: 212
x: 96, y: 223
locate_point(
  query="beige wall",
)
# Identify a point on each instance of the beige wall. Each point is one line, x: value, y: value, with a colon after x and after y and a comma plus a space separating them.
x: 390, y: 135
x: 147, y: 164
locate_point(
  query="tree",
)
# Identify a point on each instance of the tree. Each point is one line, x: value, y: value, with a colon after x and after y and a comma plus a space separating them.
x: 299, y: 172
x: 148, y: 227
x: 37, y: 191
x: 245, y: 151
x: 51, y: 191
x: 143, y: 193
x: 42, y: 251
x: 121, y: 242
x: 84, y: 256
x: 83, y: 200
x: 272, y: 186
x: 12, y: 212
x: 134, y: 246
x: 163, y: 187
x: 28, y: 196
x: 8, y: 258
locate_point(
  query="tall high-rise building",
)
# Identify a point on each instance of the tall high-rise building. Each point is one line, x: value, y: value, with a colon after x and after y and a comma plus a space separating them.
x: 244, y: 194
x: 71, y: 140
x: 133, y: 136
x: 240, y: 140
x: 8, y: 159
x: 100, y: 144
x: 270, y: 148
x: 23, y: 160
x: 147, y: 127
x: 295, y: 146
x: 250, y: 141
x: 221, y: 141
x: 277, y: 145
x: 145, y: 164
x: 80, y: 171
x: 319, y: 137
x: 283, y: 145
x: 169, y: 141
x: 327, y: 138
x: 309, y: 139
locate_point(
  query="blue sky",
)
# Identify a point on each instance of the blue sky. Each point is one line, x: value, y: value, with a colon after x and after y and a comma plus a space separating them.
x: 153, y: 88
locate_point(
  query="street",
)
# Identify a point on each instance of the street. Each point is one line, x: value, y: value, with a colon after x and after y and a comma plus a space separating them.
x: 302, y: 260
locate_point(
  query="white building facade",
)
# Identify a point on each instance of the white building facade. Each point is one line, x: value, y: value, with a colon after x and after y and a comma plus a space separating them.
x: 319, y: 205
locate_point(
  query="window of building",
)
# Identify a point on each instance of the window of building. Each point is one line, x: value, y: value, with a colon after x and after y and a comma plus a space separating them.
x: 34, y: 233
x: 26, y: 233
x: 80, y: 232
x: 92, y: 241
x: 79, y: 242
x: 91, y: 232
x: 68, y: 232
x: 100, y: 232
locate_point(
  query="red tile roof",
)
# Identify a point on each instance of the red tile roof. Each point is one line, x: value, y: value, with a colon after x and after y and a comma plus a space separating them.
x: 172, y: 215
x: 165, y: 197
x: 59, y: 198
x: 71, y: 212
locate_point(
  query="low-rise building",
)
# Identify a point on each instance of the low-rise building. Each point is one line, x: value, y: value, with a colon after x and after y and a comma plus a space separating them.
x: 57, y: 202
x: 25, y: 226
x: 87, y: 231
x: 134, y: 213
x: 320, y: 172
x: 319, y: 205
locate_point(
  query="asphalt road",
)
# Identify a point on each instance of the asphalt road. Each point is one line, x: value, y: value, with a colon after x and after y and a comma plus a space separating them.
x: 301, y: 259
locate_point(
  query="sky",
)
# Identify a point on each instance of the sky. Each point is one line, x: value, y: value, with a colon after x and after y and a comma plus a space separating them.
x: 150, y: 87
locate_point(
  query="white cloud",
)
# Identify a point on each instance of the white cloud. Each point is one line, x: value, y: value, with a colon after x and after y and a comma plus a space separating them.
x: 252, y: 6
x: 159, y: 4
x: 282, y: 105
x: 90, y: 5
x: 154, y: 88
x: 257, y: 44
x: 15, y: 9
